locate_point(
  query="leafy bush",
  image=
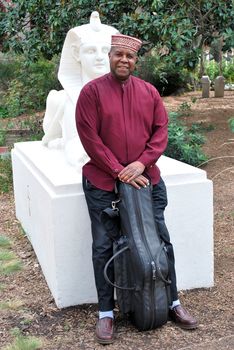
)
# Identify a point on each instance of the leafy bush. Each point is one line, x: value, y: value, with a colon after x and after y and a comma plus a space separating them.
x: 228, y: 71
x: 184, y: 144
x: 212, y: 70
x: 9, y: 68
x: 2, y: 137
x: 165, y: 75
x: 5, y: 175
x: 34, y: 125
x: 184, y: 109
x: 28, y: 89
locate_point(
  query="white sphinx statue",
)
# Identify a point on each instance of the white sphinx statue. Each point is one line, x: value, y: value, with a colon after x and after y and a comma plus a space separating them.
x: 84, y: 57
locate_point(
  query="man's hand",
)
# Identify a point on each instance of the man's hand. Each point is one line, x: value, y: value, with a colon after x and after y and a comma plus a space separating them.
x: 131, y: 172
x: 138, y: 182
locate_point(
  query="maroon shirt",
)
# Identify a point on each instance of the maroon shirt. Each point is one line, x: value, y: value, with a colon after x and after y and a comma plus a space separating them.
x: 119, y: 123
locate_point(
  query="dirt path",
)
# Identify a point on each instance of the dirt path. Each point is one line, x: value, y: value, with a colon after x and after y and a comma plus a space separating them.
x: 34, y: 312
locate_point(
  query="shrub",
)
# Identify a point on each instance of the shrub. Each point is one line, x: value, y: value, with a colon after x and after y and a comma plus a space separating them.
x: 5, y: 175
x: 28, y: 90
x: 212, y: 70
x: 184, y: 144
x: 228, y: 71
x: 2, y: 137
x: 165, y: 75
x: 34, y: 124
x: 9, y: 68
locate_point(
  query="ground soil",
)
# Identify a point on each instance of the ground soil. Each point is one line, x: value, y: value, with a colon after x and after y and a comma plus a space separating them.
x: 35, y: 312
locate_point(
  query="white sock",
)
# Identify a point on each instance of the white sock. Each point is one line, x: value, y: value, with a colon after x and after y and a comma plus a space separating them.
x: 174, y: 304
x: 103, y: 314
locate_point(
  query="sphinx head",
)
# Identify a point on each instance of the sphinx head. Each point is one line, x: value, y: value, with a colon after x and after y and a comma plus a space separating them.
x: 93, y: 58
x: 85, y: 55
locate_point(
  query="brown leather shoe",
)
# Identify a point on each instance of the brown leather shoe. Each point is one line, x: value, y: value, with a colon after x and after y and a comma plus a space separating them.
x: 182, y: 318
x: 105, y: 330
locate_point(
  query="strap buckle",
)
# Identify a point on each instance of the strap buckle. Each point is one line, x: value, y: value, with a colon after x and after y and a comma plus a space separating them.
x: 114, y: 203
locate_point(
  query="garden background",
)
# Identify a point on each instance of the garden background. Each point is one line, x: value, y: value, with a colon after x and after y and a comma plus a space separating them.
x: 182, y: 40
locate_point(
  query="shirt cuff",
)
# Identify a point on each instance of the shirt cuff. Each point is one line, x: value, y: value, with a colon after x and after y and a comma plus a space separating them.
x: 116, y: 171
x: 148, y: 164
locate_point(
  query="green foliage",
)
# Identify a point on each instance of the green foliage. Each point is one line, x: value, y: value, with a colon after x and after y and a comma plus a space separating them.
x: 11, y: 305
x: 3, y: 112
x: 184, y: 109
x: 27, y: 91
x: 231, y: 123
x: 4, y: 241
x: 12, y: 98
x: 5, y: 176
x: 184, y: 144
x: 25, y: 343
x: 7, y: 268
x: 9, y: 68
x: 202, y: 126
x: 8, y: 261
x: 228, y: 71
x: 6, y: 255
x: 2, y: 137
x: 181, y: 26
x: 34, y: 125
x: 212, y: 70
x: 165, y: 75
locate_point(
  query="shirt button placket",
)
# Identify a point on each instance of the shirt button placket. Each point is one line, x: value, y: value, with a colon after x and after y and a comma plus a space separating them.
x: 124, y: 103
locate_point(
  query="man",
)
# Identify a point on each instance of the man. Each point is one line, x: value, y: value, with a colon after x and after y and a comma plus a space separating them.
x: 122, y: 124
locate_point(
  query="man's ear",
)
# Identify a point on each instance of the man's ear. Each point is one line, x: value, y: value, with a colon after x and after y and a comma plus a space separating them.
x: 75, y: 52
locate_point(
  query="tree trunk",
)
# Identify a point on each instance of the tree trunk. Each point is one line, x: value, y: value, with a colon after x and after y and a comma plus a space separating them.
x: 202, y: 66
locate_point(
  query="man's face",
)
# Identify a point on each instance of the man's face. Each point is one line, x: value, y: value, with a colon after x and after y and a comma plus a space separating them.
x: 122, y: 62
x: 94, y: 59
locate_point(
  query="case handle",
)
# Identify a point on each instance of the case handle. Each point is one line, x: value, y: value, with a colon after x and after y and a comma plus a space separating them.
x: 107, y: 265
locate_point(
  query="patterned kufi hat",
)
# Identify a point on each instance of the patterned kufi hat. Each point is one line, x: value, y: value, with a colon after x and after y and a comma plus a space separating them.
x: 126, y: 41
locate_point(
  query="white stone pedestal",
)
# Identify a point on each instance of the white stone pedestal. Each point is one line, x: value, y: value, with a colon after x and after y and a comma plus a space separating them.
x: 51, y: 207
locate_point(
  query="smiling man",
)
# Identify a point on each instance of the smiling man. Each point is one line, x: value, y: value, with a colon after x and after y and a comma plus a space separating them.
x: 122, y: 125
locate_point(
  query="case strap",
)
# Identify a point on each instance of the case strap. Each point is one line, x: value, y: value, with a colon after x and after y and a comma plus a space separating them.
x: 106, y: 268
x: 158, y: 270
x: 159, y: 273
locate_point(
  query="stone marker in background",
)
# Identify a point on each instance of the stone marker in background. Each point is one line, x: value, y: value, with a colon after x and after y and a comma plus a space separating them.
x: 219, y: 86
x: 205, y: 81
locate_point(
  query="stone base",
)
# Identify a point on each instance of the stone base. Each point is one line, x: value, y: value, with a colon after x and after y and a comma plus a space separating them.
x: 51, y: 207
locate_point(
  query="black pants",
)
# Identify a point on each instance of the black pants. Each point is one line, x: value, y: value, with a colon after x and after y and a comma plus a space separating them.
x: 102, y: 248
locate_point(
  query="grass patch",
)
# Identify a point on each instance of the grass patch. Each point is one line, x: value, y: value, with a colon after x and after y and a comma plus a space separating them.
x: 8, y: 261
x: 231, y: 124
x: 11, y: 305
x: 2, y: 287
x: 6, y: 255
x: 9, y: 267
x: 26, y: 321
x: 25, y: 343
x: 4, y: 242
